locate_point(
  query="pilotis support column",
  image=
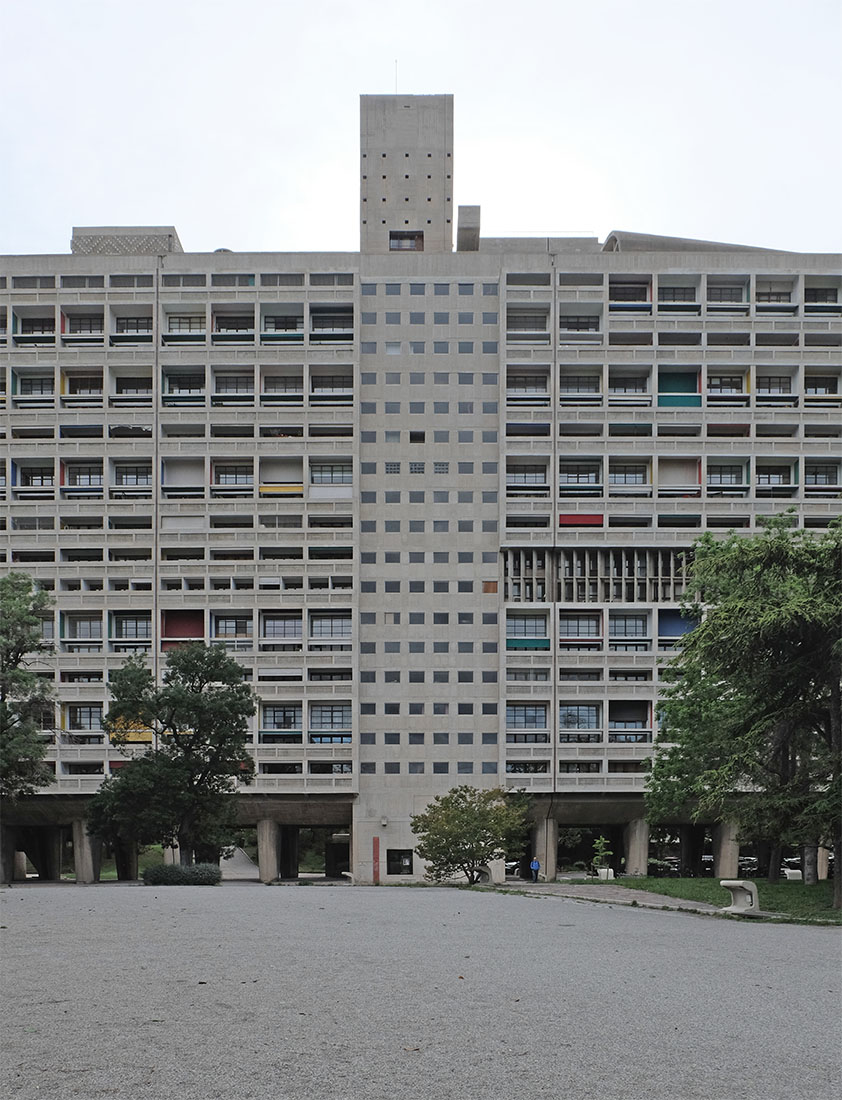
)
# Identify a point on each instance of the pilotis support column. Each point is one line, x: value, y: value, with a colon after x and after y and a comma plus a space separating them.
x: 86, y: 853
x: 726, y: 850
x: 636, y: 844
x: 545, y: 847
x: 268, y: 850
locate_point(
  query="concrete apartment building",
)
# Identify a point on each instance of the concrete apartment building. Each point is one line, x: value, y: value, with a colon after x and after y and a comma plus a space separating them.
x: 434, y: 500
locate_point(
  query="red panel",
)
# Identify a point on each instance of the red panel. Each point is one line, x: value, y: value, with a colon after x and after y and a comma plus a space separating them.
x: 182, y: 624
x: 579, y: 519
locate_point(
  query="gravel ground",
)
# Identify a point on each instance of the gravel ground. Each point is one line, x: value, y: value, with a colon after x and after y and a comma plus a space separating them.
x: 246, y: 991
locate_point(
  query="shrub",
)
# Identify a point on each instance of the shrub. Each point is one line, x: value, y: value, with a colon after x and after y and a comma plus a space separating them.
x: 173, y: 874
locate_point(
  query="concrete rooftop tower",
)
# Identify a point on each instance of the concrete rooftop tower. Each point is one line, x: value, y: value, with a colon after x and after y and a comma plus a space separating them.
x: 406, y: 173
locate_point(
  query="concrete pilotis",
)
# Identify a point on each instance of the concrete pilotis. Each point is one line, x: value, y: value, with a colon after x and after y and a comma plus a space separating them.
x: 268, y: 850
x: 636, y: 843
x: 86, y: 853
x: 545, y: 847
x: 726, y: 850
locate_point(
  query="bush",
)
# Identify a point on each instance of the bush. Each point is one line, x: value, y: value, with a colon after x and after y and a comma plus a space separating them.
x: 173, y: 874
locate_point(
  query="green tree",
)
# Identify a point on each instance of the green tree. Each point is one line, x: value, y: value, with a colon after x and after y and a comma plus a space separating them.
x: 751, y: 716
x: 461, y: 831
x: 181, y: 790
x: 23, y: 699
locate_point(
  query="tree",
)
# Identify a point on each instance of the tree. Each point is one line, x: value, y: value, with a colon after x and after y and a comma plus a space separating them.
x: 751, y: 723
x: 181, y: 790
x: 23, y: 699
x: 463, y: 830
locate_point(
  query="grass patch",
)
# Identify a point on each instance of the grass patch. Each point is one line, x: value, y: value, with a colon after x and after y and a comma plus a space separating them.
x: 793, y: 899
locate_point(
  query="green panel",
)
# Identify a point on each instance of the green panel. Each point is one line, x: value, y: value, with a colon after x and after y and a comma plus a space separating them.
x: 527, y: 643
x: 680, y: 400
x: 677, y: 382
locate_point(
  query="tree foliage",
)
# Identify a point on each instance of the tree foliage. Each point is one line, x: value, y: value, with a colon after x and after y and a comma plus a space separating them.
x: 461, y: 831
x: 180, y: 791
x: 23, y: 699
x: 751, y: 727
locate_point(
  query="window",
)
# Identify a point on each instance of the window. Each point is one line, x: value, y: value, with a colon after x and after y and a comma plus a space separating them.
x: 820, y: 385
x: 526, y: 626
x: 406, y: 241
x: 129, y: 626
x: 232, y: 626
x: 578, y: 473
x: 183, y: 322
x: 774, y: 475
x: 36, y: 476
x: 233, y: 475
x: 627, y: 626
x: 38, y: 386
x: 283, y: 625
x: 330, y: 625
x: 627, y: 474
x: 84, y: 324
x: 579, y: 322
x: 726, y: 475
x: 282, y: 717
x: 774, y: 383
x: 725, y: 383
x: 84, y: 385
x: 821, y: 474
x: 331, y: 473
x: 578, y: 383
x: 527, y: 767
x: 84, y: 627
x: 234, y: 384
x: 84, y: 476
x: 820, y: 295
x: 574, y: 716
x: 579, y: 626
x: 330, y: 716
x: 733, y: 293
x: 133, y: 387
x: 133, y: 475
x: 676, y: 294
x: 526, y: 716
x: 85, y: 717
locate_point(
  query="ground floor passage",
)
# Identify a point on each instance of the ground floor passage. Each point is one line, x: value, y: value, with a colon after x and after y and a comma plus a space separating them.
x: 46, y: 837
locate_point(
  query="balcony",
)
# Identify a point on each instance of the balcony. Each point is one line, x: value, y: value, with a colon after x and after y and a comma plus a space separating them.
x: 331, y: 325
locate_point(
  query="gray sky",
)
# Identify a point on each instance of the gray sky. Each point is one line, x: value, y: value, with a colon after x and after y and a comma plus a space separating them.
x: 239, y: 122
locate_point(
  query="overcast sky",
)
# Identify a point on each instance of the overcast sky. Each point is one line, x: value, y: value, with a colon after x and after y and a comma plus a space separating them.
x: 238, y: 122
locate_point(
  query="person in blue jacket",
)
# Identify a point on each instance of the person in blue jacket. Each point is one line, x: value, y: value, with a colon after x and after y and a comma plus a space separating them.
x: 534, y: 867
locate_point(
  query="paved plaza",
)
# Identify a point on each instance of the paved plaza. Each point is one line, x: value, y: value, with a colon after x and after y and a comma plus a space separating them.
x: 248, y: 991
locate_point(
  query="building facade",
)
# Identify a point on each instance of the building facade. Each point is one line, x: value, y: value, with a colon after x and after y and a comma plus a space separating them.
x: 435, y: 501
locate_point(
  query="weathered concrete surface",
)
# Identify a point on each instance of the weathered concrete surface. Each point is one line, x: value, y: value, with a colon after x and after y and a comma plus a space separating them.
x: 362, y: 994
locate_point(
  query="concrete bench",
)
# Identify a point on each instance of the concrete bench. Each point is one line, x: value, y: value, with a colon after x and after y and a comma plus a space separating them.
x: 792, y: 875
x: 743, y: 897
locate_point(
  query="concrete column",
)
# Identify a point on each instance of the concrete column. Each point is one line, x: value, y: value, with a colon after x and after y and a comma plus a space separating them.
x: 822, y: 863
x: 268, y: 850
x: 48, y: 843
x: 636, y: 845
x: 726, y: 850
x: 172, y: 856
x: 289, y: 851
x: 545, y: 847
x: 20, y: 867
x: 86, y: 853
